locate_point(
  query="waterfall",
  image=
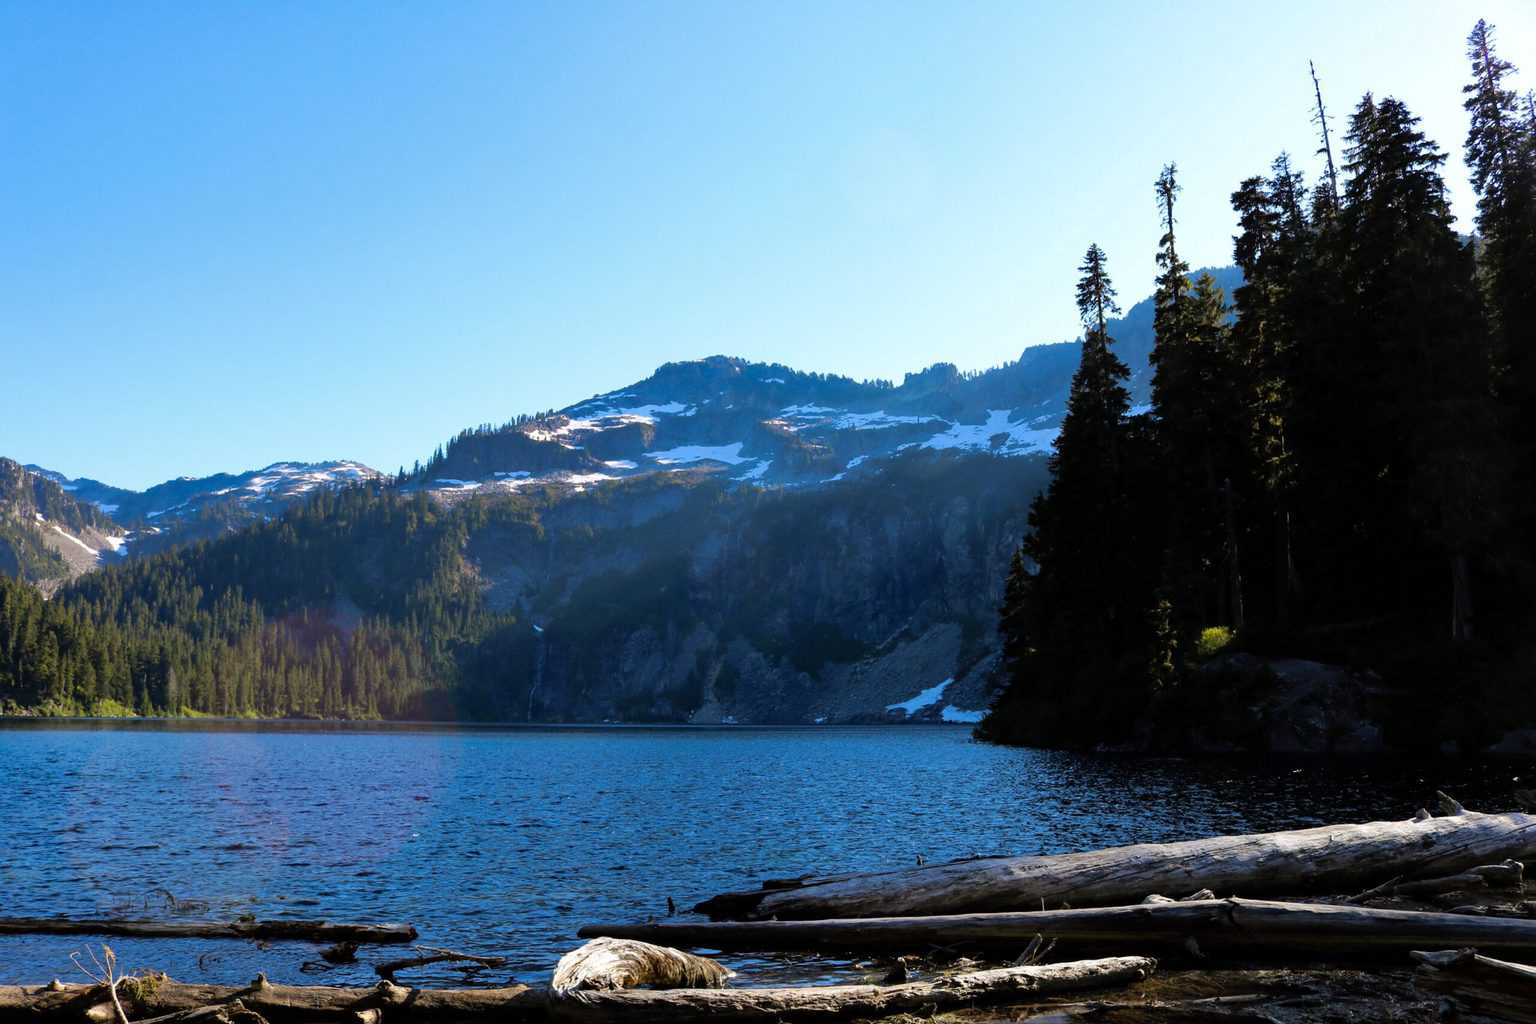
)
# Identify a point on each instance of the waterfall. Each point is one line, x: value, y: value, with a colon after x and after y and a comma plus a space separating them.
x: 538, y: 667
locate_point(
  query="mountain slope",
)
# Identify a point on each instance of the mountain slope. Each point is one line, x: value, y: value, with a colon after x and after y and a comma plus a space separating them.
x: 722, y: 541
x: 771, y: 425
x: 200, y: 508
x: 46, y: 536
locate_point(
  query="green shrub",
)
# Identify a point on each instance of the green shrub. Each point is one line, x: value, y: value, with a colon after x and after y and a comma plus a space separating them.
x: 1213, y: 640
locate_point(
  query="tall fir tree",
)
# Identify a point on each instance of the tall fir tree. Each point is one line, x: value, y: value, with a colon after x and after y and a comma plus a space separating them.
x: 1199, y: 411
x: 1080, y: 624
x: 1272, y: 249
x: 1501, y: 154
x: 1391, y: 384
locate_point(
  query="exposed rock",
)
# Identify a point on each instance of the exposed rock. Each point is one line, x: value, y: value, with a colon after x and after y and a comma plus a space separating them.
x: 1242, y: 702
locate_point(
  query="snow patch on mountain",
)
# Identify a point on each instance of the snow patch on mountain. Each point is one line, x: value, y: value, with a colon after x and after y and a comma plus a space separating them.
x: 997, y: 434
x: 730, y: 454
x: 292, y: 478
x: 927, y: 698
x: 801, y: 417
x: 509, y: 482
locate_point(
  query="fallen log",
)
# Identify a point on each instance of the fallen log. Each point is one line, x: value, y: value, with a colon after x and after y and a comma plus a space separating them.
x: 609, y: 964
x: 431, y: 955
x: 1328, y: 859
x: 316, y: 931
x: 838, y: 1001
x: 198, y: 1004
x: 1310, y: 929
x: 1479, y: 984
x: 1508, y: 875
x: 280, y: 1004
x: 233, y: 1012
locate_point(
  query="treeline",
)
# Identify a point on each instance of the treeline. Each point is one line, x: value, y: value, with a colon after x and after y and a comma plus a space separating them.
x: 354, y: 604
x: 1339, y: 465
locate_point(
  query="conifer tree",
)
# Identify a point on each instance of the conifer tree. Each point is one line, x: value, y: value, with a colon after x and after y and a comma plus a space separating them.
x: 1081, y: 637
x: 1272, y: 250
x: 1013, y: 618
x: 1199, y: 409
x: 1391, y: 383
x: 1502, y: 158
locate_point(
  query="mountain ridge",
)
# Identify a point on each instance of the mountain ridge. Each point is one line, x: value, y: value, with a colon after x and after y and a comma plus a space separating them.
x: 724, y: 541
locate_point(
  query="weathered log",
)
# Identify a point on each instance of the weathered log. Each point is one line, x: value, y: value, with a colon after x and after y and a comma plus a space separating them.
x: 609, y: 964
x: 1312, y: 929
x: 433, y: 955
x: 281, y: 1004
x: 1182, y: 1011
x: 1328, y: 859
x: 317, y: 931
x: 287, y: 1003
x: 1508, y: 875
x: 837, y: 1001
x: 233, y: 1012
x: 1479, y: 984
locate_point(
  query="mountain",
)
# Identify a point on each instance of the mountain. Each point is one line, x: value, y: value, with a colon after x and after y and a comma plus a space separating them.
x: 770, y: 425
x: 199, y: 508
x: 46, y: 536
x: 724, y: 541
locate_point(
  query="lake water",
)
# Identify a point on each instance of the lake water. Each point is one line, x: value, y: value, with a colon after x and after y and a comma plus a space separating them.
x: 506, y: 840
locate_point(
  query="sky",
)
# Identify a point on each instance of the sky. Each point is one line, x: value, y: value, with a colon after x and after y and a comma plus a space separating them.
x: 243, y: 233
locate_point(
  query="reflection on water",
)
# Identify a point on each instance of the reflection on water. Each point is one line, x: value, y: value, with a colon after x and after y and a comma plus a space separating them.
x: 506, y: 840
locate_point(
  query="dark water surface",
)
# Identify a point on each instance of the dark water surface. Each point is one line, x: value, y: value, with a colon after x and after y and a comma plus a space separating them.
x: 506, y: 840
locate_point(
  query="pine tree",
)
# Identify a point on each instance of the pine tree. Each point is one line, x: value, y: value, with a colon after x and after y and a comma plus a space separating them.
x: 1013, y: 618
x: 1081, y: 637
x: 1198, y: 405
x: 1501, y: 155
x: 1272, y: 250
x: 1391, y: 383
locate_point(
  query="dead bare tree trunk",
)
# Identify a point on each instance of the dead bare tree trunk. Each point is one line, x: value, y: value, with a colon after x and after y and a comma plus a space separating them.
x: 1230, y: 925
x: 1234, y: 565
x: 840, y: 1001
x: 316, y: 931
x: 198, y: 1004
x: 1461, y: 599
x: 1328, y: 859
x: 281, y: 1004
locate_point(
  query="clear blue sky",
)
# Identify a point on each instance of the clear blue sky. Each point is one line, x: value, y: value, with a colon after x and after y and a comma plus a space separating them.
x: 238, y: 233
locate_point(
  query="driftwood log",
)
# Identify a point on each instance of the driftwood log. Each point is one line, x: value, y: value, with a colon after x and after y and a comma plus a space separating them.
x: 838, y: 1001
x: 233, y: 1012
x: 429, y: 955
x: 1328, y: 859
x: 316, y: 931
x: 288, y: 1003
x: 1479, y: 984
x: 1508, y: 875
x: 609, y: 964
x: 1310, y: 929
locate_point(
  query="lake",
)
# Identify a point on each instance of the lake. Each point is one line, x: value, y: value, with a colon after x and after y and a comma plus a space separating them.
x: 505, y: 840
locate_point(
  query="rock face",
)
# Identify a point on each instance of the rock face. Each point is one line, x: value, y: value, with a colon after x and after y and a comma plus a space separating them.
x: 1241, y: 702
x: 700, y: 602
x: 46, y: 536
